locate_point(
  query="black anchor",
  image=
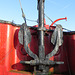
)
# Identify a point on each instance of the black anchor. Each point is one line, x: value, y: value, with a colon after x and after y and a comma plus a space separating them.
x: 25, y: 38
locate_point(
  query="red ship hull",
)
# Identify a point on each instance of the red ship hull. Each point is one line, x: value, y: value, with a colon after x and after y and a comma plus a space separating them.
x: 12, y: 52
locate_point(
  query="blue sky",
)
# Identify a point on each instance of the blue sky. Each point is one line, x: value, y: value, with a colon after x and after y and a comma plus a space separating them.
x: 10, y: 10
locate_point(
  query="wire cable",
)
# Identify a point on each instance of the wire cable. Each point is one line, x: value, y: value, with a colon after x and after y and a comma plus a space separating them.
x: 55, y: 23
x: 7, y: 54
x: 49, y: 19
x: 23, y: 15
x: 31, y: 20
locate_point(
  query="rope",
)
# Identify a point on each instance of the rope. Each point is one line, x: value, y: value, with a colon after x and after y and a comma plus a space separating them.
x: 23, y: 15
x: 20, y: 4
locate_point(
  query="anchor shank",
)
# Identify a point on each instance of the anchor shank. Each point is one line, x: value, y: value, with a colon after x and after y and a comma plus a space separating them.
x: 41, y: 35
x: 41, y: 32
